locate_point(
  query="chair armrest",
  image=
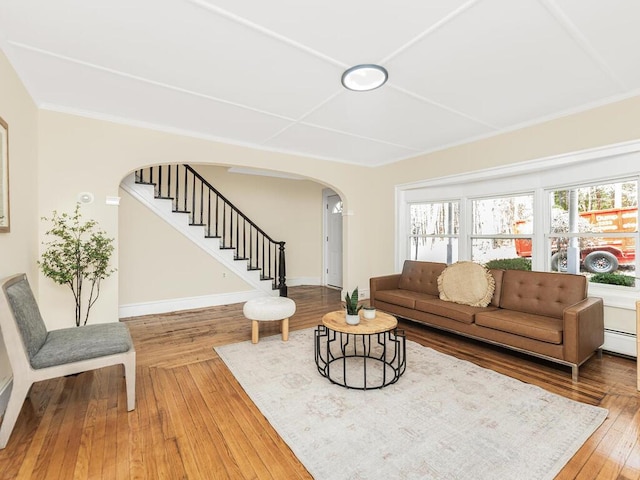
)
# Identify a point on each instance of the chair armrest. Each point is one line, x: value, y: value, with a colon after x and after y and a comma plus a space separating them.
x: 583, y: 329
x: 387, y: 282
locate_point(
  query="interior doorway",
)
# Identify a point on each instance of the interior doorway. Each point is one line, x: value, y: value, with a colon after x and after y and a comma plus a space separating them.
x: 332, y: 239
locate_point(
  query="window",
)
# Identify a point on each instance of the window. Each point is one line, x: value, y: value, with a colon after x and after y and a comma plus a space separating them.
x: 574, y: 212
x: 433, y: 234
x: 501, y: 228
x: 593, y: 231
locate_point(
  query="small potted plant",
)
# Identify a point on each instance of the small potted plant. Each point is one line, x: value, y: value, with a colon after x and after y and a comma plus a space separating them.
x: 369, y: 312
x: 352, y: 314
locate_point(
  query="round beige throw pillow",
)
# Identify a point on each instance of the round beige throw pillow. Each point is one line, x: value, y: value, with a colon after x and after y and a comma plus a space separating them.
x: 466, y: 283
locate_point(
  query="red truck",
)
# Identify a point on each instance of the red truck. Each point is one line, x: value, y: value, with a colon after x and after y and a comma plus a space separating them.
x: 602, y: 255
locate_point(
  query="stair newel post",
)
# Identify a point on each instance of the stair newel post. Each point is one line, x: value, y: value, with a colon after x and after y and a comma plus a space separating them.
x: 282, y: 271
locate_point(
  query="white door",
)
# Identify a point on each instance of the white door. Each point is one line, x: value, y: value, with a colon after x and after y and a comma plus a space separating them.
x: 334, y: 241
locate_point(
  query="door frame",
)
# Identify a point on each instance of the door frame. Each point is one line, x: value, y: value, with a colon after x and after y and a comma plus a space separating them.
x: 326, y: 193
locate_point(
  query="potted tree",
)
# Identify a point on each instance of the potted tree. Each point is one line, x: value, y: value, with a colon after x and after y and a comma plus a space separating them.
x: 77, y: 255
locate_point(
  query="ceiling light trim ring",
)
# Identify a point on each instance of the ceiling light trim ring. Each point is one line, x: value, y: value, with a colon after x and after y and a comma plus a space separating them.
x: 364, y: 77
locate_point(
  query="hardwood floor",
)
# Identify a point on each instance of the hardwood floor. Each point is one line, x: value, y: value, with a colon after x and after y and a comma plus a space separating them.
x: 193, y: 420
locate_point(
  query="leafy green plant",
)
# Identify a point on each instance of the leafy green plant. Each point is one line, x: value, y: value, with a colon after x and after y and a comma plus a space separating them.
x: 510, y: 264
x: 613, y: 279
x: 77, y: 254
x: 352, y: 302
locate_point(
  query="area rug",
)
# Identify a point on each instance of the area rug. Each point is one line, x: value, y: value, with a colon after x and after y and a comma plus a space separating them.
x: 444, y: 419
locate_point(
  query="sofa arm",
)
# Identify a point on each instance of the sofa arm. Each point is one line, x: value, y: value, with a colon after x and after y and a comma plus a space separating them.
x: 388, y: 282
x: 583, y: 329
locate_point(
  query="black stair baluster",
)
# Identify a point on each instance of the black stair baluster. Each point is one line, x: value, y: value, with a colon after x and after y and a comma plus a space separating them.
x: 268, y: 257
x: 208, y: 213
x: 217, y: 235
x: 176, y: 196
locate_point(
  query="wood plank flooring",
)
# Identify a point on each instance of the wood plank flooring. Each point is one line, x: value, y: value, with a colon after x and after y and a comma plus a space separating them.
x: 193, y: 420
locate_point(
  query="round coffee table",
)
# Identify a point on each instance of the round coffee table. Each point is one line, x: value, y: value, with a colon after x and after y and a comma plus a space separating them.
x: 366, y: 356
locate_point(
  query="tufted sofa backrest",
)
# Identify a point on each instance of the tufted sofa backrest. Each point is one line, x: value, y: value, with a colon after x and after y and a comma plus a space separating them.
x: 541, y: 293
x: 421, y: 277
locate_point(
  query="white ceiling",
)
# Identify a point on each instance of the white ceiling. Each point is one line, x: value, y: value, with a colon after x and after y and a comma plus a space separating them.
x: 267, y: 73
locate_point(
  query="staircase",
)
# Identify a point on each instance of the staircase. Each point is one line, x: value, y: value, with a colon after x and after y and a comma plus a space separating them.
x: 188, y: 202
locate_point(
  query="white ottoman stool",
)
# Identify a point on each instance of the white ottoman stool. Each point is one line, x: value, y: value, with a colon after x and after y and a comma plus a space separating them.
x: 267, y: 309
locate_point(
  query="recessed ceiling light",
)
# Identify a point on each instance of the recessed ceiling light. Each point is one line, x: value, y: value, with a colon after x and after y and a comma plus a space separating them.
x: 362, y: 78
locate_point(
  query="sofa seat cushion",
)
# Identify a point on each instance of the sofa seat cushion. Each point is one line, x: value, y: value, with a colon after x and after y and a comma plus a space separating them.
x: 454, y: 311
x: 403, y: 298
x: 537, y: 327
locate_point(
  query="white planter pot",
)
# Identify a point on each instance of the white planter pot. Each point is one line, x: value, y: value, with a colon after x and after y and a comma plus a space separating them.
x: 369, y: 313
x: 352, y: 319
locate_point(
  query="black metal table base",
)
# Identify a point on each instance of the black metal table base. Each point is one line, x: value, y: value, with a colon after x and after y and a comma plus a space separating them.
x: 360, y: 361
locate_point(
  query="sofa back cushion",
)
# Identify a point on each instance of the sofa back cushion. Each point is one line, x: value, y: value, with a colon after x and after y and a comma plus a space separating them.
x: 497, y: 276
x: 421, y: 276
x: 541, y: 293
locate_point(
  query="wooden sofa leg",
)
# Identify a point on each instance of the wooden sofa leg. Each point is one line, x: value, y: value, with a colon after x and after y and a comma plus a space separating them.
x: 600, y: 353
x: 574, y: 373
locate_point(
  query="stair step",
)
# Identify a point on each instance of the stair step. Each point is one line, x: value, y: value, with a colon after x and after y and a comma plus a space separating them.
x: 140, y: 187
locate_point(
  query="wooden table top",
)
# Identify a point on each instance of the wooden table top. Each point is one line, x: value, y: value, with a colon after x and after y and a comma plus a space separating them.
x: 382, y: 322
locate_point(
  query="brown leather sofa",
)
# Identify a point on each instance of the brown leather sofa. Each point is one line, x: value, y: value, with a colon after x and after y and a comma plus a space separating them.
x: 548, y: 315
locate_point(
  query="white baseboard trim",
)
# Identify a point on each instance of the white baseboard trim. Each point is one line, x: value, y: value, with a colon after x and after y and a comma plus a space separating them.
x: 620, y: 342
x: 203, y: 301
x: 299, y: 281
x: 5, y: 391
x: 188, y: 303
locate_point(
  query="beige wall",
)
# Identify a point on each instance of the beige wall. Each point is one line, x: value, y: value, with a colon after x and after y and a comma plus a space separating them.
x: 614, y: 123
x: 288, y: 210
x: 79, y: 154
x: 156, y: 262
x: 19, y: 248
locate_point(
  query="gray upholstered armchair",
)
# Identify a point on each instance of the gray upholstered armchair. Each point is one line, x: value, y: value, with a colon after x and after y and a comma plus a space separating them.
x: 36, y: 354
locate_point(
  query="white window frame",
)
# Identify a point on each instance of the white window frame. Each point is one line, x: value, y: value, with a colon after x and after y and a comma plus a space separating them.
x: 548, y: 235
x: 601, y: 165
x: 498, y: 236
x: 408, y: 234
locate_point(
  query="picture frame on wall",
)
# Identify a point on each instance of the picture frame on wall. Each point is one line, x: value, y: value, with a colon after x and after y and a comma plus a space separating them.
x: 4, y: 176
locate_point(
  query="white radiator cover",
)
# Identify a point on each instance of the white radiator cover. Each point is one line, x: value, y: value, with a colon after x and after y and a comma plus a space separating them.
x: 620, y: 342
